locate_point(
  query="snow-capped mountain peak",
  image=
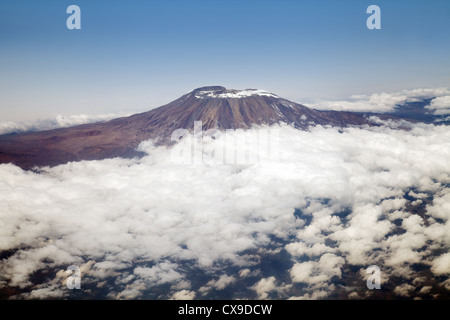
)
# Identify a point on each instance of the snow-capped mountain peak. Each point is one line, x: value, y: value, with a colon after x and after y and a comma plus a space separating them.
x: 215, y: 106
x: 221, y: 92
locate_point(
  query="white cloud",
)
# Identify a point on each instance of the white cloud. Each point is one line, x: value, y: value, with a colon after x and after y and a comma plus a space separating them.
x: 300, y: 248
x: 441, y: 265
x: 425, y: 289
x: 316, y: 295
x: 183, y: 295
x: 264, y: 286
x: 318, y: 272
x: 218, y: 284
x: 440, y: 208
x: 162, y: 273
x: 353, y: 296
x: 244, y: 273
x: 48, y: 292
x: 60, y: 121
x: 384, y: 102
x: 404, y: 290
x: 440, y: 105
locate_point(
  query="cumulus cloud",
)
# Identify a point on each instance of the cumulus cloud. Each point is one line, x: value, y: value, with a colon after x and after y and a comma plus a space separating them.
x: 331, y: 200
x: 184, y: 295
x: 426, y: 289
x: 320, y: 272
x: 264, y: 287
x: 440, y: 105
x: 441, y: 265
x: 404, y: 290
x: 267, y: 288
x: 387, y: 101
x: 218, y: 284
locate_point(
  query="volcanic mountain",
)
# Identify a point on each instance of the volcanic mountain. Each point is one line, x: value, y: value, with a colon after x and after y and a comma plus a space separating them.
x: 217, y: 107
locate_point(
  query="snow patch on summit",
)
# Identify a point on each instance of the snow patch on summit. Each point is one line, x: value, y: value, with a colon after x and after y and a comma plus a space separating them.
x: 236, y: 94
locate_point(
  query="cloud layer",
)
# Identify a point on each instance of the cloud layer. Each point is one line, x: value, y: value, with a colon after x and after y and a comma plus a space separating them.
x: 332, y: 203
x: 60, y: 121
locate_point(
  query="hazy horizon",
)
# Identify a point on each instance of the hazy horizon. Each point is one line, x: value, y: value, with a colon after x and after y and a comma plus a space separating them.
x: 140, y: 56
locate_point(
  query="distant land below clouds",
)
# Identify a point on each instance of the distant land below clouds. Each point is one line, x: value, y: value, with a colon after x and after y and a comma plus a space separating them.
x: 423, y: 104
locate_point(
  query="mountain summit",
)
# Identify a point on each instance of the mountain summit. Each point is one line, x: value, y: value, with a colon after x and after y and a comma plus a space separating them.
x: 221, y: 108
x: 216, y: 106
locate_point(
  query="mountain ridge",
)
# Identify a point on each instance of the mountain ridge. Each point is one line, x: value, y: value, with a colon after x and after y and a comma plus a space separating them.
x: 216, y: 106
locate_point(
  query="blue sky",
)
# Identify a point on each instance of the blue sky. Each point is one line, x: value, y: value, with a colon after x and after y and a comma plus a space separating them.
x: 136, y: 55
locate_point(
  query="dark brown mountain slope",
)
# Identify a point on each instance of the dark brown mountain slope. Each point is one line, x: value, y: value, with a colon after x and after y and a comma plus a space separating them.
x: 215, y: 106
